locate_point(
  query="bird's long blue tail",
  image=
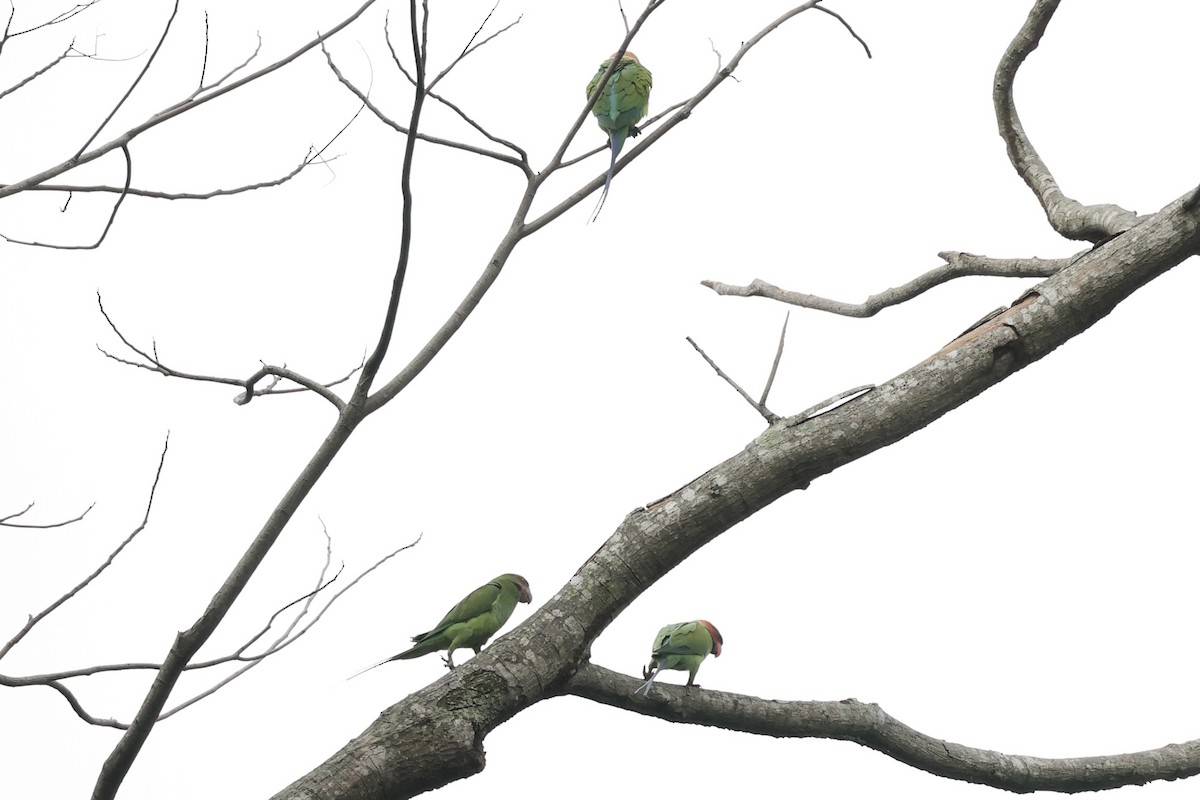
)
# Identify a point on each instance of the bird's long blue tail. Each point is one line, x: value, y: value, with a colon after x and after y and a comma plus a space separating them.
x: 615, y: 143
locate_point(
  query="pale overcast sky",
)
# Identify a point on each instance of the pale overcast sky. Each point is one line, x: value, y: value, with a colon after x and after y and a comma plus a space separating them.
x: 1019, y: 576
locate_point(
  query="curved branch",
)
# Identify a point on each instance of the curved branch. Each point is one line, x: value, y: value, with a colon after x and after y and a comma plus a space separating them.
x: 112, y: 216
x: 1067, y: 216
x: 870, y: 726
x: 958, y: 265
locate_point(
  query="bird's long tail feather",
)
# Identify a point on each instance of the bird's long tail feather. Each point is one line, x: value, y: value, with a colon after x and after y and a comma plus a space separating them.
x: 614, y: 145
x: 373, y: 666
x: 645, y: 687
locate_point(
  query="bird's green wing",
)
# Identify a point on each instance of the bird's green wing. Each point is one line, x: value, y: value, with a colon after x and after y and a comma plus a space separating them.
x: 476, y: 603
x: 683, y: 639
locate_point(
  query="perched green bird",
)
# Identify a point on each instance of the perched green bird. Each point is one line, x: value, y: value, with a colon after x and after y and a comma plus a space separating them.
x: 681, y: 646
x: 470, y: 623
x: 621, y: 105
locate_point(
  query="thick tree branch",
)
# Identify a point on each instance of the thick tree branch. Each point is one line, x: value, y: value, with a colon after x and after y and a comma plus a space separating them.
x: 1068, y: 217
x: 958, y: 265
x: 870, y: 726
x: 425, y: 741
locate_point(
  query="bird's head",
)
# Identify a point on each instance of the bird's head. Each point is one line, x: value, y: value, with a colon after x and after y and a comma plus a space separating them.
x: 715, y: 634
x: 523, y: 593
x: 628, y: 54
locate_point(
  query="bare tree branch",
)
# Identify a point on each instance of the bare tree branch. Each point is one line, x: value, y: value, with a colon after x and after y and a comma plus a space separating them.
x: 958, y: 265
x: 846, y: 25
x: 472, y: 45
x: 154, y: 364
x: 313, y: 157
x: 5, y: 520
x: 134, y: 85
x: 63, y: 16
x: 760, y: 407
x: 762, y: 401
x: 1067, y: 216
x: 112, y: 216
x: 386, y: 120
x: 870, y: 726
x: 35, y: 619
x: 39, y: 72
x: 173, y: 111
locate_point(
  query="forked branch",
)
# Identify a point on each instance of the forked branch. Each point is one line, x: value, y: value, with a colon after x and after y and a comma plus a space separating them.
x: 1067, y: 216
x: 958, y: 265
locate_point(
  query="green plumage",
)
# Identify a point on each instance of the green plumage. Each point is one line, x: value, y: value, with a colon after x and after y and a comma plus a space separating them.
x: 622, y: 103
x: 682, y: 646
x: 472, y: 622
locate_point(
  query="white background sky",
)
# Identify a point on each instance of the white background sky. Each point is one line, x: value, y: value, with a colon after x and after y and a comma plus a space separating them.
x: 1019, y: 576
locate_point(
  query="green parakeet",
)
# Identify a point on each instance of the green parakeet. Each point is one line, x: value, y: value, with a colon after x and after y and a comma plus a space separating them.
x: 681, y: 646
x: 470, y: 623
x: 621, y: 105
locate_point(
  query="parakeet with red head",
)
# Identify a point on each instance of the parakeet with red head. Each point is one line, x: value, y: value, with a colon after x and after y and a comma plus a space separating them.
x: 682, y: 646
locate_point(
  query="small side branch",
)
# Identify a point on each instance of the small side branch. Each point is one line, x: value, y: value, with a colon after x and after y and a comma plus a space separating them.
x: 846, y: 25
x: 79, y: 587
x: 766, y: 413
x: 249, y: 385
x: 870, y: 726
x: 1067, y: 216
x: 958, y: 265
x: 6, y: 521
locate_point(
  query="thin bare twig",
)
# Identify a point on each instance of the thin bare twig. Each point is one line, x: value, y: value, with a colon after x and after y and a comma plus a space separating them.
x: 78, y: 8
x: 521, y: 163
x: 472, y: 46
x: 35, y: 619
x: 4, y: 521
x: 846, y: 25
x: 136, y: 81
x: 958, y: 265
x: 762, y: 401
x: 759, y: 407
x: 154, y: 364
x: 204, y: 61
x: 39, y: 72
x: 311, y: 158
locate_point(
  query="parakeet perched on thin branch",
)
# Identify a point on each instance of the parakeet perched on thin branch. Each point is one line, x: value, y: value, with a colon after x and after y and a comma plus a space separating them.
x: 470, y: 623
x: 621, y: 105
x: 681, y: 646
